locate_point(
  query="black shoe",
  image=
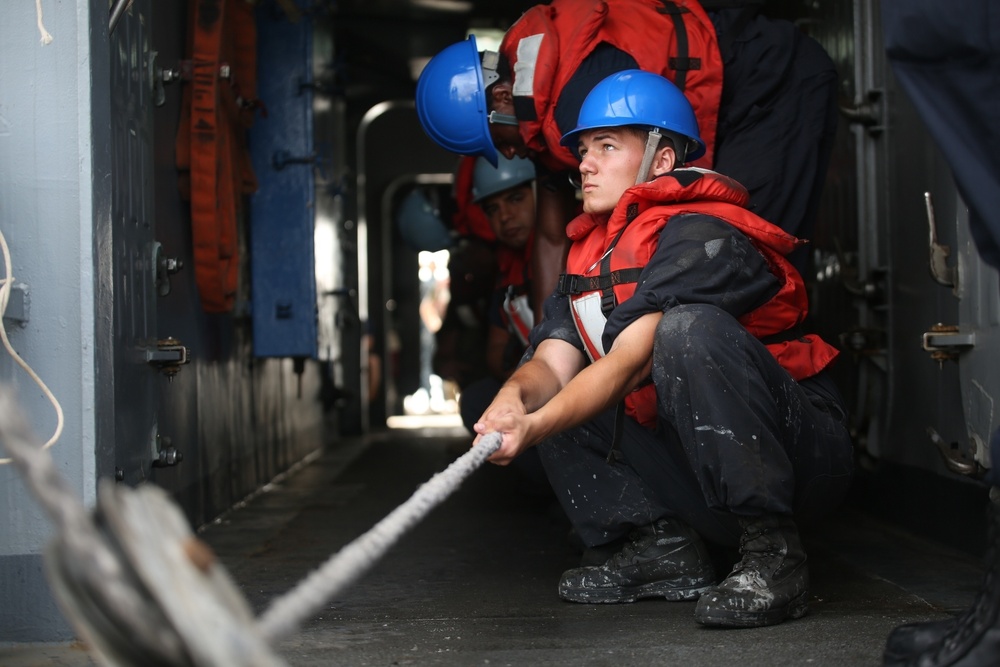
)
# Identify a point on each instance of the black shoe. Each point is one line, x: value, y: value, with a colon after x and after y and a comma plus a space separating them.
x: 912, y: 638
x: 970, y: 640
x: 768, y: 585
x: 664, y: 560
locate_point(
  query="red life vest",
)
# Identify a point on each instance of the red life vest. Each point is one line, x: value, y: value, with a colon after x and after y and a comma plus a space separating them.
x: 673, y: 38
x: 605, y: 261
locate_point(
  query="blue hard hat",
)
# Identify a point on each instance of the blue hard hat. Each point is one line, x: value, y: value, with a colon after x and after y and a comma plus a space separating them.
x: 488, y: 180
x: 420, y: 224
x: 451, y: 101
x: 634, y: 97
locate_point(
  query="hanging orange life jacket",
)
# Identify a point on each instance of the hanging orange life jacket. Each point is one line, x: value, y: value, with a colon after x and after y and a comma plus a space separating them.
x: 211, y: 151
x: 673, y: 38
x: 605, y: 261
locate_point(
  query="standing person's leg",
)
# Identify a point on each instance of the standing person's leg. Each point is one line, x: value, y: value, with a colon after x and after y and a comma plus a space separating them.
x: 947, y: 59
x: 971, y: 639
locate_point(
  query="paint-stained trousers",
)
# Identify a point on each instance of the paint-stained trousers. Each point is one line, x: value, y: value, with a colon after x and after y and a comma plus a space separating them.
x: 736, y: 436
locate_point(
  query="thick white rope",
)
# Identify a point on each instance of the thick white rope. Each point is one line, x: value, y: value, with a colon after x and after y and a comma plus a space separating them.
x: 287, y: 613
x: 46, y: 37
x: 6, y: 284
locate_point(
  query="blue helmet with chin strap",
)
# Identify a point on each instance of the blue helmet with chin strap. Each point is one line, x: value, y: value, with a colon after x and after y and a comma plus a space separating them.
x: 451, y: 100
x: 635, y: 97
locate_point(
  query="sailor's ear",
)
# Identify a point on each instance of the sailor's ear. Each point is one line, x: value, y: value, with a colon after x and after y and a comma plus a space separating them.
x: 501, y: 95
x: 664, y: 161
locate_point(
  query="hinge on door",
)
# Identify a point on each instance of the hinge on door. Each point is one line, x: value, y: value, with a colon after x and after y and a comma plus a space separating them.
x: 168, y: 356
x: 945, y: 342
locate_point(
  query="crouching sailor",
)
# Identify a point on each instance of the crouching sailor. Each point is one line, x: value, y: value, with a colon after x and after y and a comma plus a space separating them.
x: 674, y: 396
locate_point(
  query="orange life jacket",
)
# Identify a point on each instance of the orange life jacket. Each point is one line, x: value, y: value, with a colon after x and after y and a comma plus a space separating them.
x: 673, y: 38
x: 215, y: 171
x: 605, y: 261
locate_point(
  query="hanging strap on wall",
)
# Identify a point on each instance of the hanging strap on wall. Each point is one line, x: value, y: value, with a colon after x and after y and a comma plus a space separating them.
x: 212, y: 154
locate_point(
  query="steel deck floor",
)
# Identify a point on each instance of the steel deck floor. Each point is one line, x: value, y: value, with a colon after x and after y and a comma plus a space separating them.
x: 475, y: 582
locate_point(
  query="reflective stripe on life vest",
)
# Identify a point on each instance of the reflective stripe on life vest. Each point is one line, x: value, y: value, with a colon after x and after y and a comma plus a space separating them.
x: 520, y: 317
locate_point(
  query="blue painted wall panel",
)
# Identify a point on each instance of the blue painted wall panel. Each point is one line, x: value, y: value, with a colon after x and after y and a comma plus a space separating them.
x: 283, y: 288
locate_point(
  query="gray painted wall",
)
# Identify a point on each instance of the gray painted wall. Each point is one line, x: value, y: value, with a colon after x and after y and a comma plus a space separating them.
x: 238, y: 420
x: 46, y: 215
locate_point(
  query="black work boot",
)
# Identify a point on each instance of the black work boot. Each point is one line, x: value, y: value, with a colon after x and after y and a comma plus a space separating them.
x: 970, y: 640
x: 910, y: 639
x: 665, y: 560
x: 768, y: 585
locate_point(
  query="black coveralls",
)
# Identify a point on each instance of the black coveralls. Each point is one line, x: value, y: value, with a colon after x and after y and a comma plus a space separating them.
x: 736, y: 435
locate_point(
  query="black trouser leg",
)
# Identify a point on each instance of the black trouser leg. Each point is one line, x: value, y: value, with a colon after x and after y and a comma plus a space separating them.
x: 758, y: 441
x: 602, y: 500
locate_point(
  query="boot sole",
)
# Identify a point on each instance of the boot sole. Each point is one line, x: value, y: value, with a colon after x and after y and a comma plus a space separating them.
x: 659, y: 589
x: 725, y: 618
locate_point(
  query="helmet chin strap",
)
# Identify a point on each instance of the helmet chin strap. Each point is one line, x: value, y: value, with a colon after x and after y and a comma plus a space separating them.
x: 652, y: 142
x: 501, y: 118
x: 490, y: 61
